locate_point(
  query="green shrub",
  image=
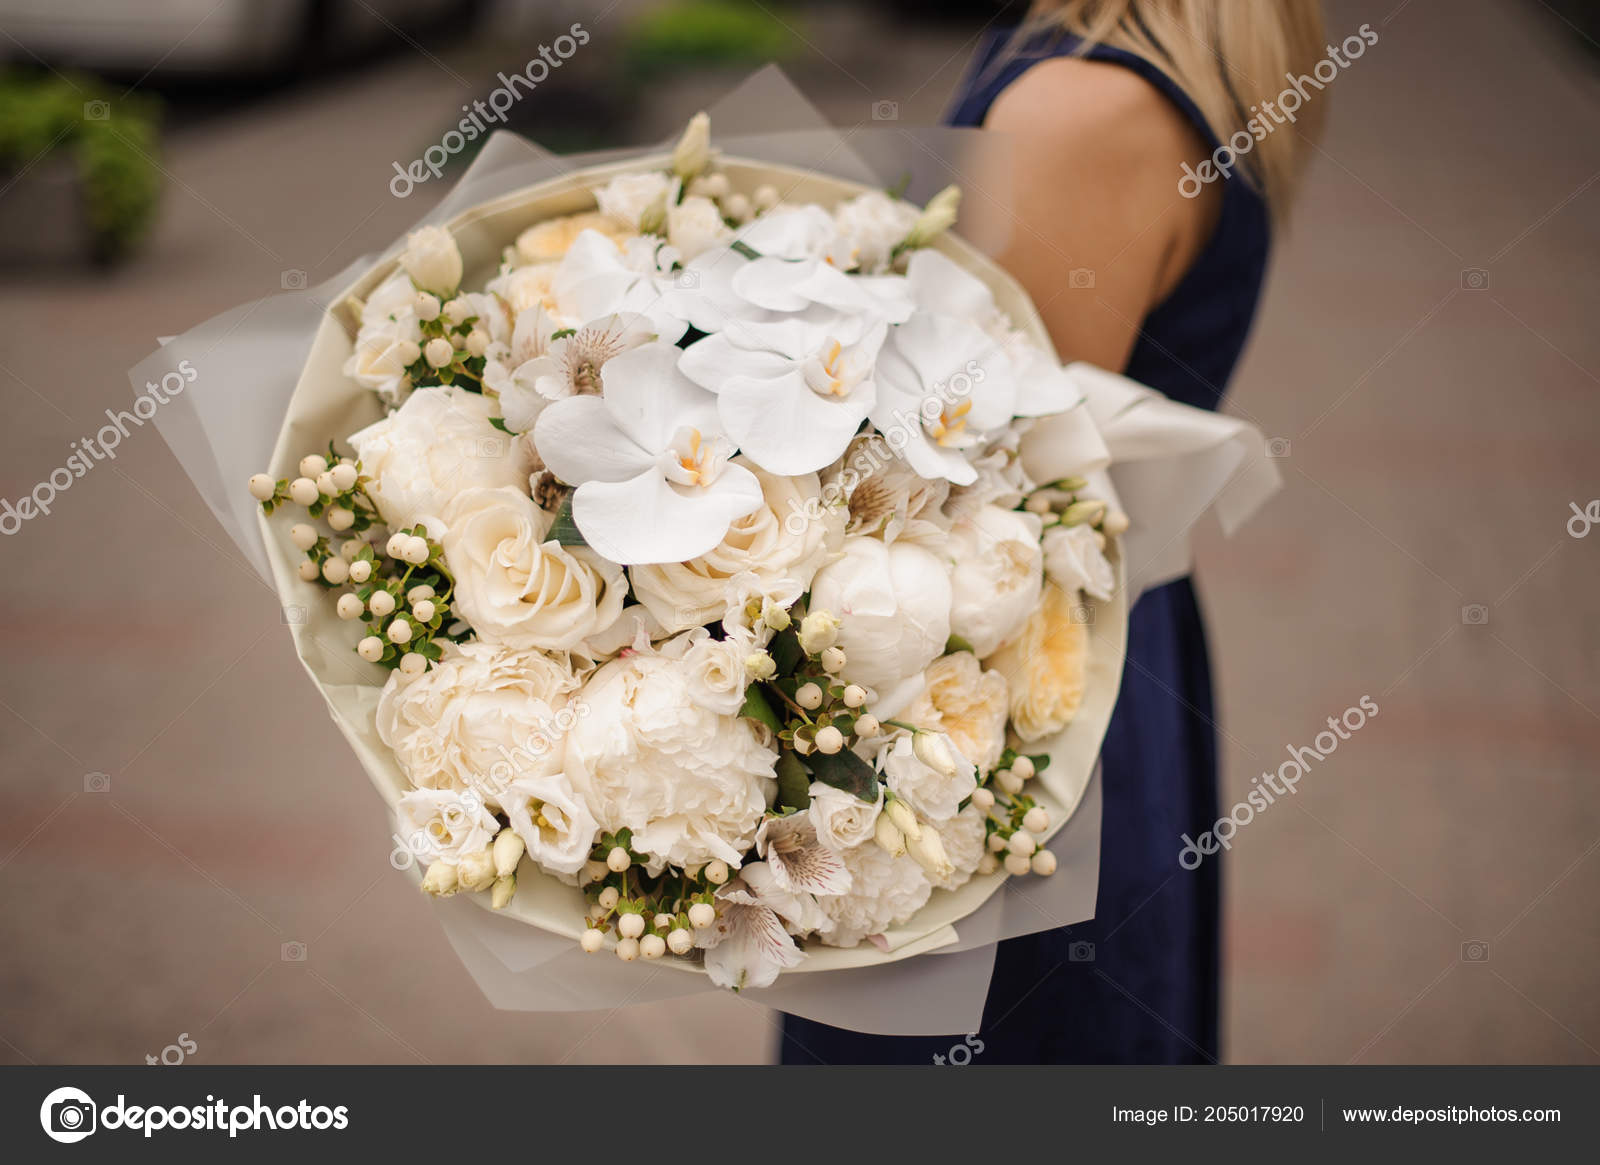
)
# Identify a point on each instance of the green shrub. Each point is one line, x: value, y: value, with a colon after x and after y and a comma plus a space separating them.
x: 697, y: 33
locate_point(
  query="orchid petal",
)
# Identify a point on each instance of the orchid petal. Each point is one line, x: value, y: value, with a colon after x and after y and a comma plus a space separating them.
x: 786, y: 428
x: 939, y: 285
x: 650, y: 400
x: 580, y: 442
x: 646, y: 519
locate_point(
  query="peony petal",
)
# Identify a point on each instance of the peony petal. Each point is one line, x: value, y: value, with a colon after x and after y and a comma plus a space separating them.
x: 580, y: 442
x: 786, y: 428
x: 650, y: 400
x: 647, y: 520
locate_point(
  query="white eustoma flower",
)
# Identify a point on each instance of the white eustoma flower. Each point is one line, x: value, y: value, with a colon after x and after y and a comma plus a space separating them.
x: 389, y: 334
x: 936, y: 796
x: 893, y: 603
x: 1074, y: 561
x: 444, y: 824
x: 944, y: 386
x: 552, y: 820
x: 437, y: 444
x: 650, y: 463
x: 997, y: 576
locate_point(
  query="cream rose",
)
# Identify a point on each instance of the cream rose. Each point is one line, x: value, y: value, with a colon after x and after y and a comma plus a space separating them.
x: 965, y: 702
x: 482, y: 717
x: 842, y: 820
x: 433, y: 447
x: 690, y: 783
x: 766, y: 544
x: 1044, y: 667
x: 444, y: 824
x: 1075, y: 562
x: 998, y: 573
x: 515, y: 588
x: 893, y: 603
x: 713, y: 669
x: 549, y: 241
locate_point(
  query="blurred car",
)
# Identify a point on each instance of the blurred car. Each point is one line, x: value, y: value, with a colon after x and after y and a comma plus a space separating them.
x: 212, y: 37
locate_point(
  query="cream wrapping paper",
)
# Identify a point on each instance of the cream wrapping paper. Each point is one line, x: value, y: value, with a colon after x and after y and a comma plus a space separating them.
x: 269, y: 388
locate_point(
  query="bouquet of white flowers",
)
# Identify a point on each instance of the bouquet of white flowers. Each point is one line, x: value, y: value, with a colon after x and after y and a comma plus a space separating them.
x: 710, y: 561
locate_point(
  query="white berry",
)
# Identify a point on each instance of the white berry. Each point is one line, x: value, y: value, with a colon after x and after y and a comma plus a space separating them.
x: 262, y: 486
x: 303, y: 491
x: 652, y: 946
x: 1022, y: 842
x: 1036, y: 820
x: 1017, y: 864
x: 1043, y: 863
x: 336, y: 570
x: 809, y: 696
x: 312, y: 464
x: 439, y: 352
x: 423, y: 610
x: 426, y: 306
x: 416, y: 551
x: 400, y: 631
x: 833, y: 660
x: 360, y: 570
x: 983, y: 799
x: 854, y: 695
x: 630, y: 925
x: 1023, y: 767
x: 868, y: 726
x: 618, y: 860
x: 344, y: 476
x: 370, y: 649
x: 628, y: 949
x: 412, y: 664
x: 381, y: 604
x: 341, y: 518
x: 304, y: 537
x: 680, y: 941
x: 829, y: 740
x: 349, y: 606
x: 592, y: 941
x: 717, y: 872
x: 610, y: 896
x: 396, y: 545
x: 418, y: 593
x: 702, y: 915
x: 309, y: 570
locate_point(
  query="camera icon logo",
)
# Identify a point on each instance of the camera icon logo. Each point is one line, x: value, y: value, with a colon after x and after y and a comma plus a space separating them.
x: 1474, y: 279
x: 67, y: 1115
x: 885, y: 111
x: 1278, y: 447
x: 1082, y: 614
x: 97, y: 782
x: 489, y: 447
x: 97, y: 111
x: 292, y: 952
x: 1080, y: 277
x: 294, y: 279
x: 1475, y: 615
x: 294, y: 614
x: 1080, y: 952
x: 1475, y: 951
x: 687, y: 280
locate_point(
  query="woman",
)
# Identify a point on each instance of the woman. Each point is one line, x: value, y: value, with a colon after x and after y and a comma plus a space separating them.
x: 1106, y: 103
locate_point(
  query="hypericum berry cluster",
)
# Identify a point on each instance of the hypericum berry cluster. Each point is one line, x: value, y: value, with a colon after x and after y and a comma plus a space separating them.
x: 1015, y: 821
x: 1061, y: 503
x: 650, y: 915
x: 452, y: 346
x: 801, y: 667
x: 402, y: 589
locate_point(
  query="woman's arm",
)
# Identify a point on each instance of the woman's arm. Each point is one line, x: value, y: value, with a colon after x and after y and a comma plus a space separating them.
x: 1096, y: 161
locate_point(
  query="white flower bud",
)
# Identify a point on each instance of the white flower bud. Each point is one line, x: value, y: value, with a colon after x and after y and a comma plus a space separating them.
x: 400, y: 631
x: 929, y: 853
x: 630, y: 925
x: 592, y: 941
x: 1017, y: 864
x: 344, y: 476
x: 1036, y: 820
x: 760, y: 666
x: 433, y: 260
x: 809, y: 696
x: 618, y: 860
x: 829, y: 740
x: 776, y: 618
x: 416, y: 550
x: 1115, y: 522
x: 476, y: 871
x: 423, y: 609
x: 833, y: 660
x: 507, y: 849
x: 983, y: 799
x: 440, y: 880
x: 313, y: 464
x: 336, y: 570
x: 341, y: 518
x: 501, y: 894
x: 936, y: 218
x: 905, y: 820
x: 303, y: 536
x: 381, y: 604
x: 427, y: 306
x: 1023, y: 767
x: 716, y: 871
x: 680, y: 941
x: 932, y: 751
x: 370, y: 649
x: 262, y: 486
x: 439, y: 352
x: 1022, y: 842
x: 702, y: 915
x: 652, y: 946
x: 889, y: 837
x: 693, y: 151
x: 818, y: 631
x: 412, y: 664
x: 1043, y: 863
x: 854, y: 694
x: 303, y: 491
x: 609, y: 897
x: 868, y: 725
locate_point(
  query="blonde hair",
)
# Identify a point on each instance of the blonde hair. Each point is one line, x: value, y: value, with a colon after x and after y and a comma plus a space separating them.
x: 1228, y: 55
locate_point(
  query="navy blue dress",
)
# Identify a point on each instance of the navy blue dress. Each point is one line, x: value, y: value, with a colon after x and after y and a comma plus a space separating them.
x: 1139, y: 983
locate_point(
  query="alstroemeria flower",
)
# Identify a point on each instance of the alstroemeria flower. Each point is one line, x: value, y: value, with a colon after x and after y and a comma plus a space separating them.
x: 799, y: 862
x: 549, y: 370
x: 649, y: 460
x: 750, y: 943
x: 944, y: 385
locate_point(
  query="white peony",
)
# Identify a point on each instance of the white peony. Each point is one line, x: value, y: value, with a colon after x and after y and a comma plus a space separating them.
x: 689, y: 782
x: 934, y: 795
x: 842, y: 820
x: 884, y: 891
x: 444, y: 824
x: 433, y: 261
x: 964, y: 837
x: 996, y: 580
x: 552, y: 821
x: 481, y: 718
x: 388, y: 340
x: 515, y: 588
x: 695, y: 225
x: 870, y: 225
x: 628, y: 198
x: 894, y: 606
x: 769, y: 544
x: 434, y: 446
x: 1074, y: 561
x: 967, y: 704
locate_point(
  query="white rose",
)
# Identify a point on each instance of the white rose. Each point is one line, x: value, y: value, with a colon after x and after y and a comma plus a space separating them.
x: 1075, y: 562
x: 869, y: 227
x: 842, y: 819
x: 691, y: 784
x: 433, y: 261
x: 628, y: 197
x: 884, y: 891
x: 934, y: 795
x: 713, y: 669
x: 515, y: 588
x: 998, y: 573
x: 388, y: 327
x: 893, y: 603
x: 695, y: 225
x: 779, y: 540
x: 552, y: 821
x: 444, y: 824
x: 967, y: 704
x: 479, y: 719
x: 437, y: 444
x: 964, y: 837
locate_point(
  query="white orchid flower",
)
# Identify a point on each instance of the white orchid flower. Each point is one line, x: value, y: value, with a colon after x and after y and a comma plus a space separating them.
x: 649, y: 460
x: 944, y: 386
x: 597, y: 279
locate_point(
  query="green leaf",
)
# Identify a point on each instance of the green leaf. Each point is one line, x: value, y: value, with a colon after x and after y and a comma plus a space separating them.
x: 955, y: 643
x: 564, y: 530
x: 563, y: 333
x: 785, y: 651
x: 845, y: 770
x: 742, y: 248
x: 794, y: 783
x: 758, y: 707
x: 499, y: 423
